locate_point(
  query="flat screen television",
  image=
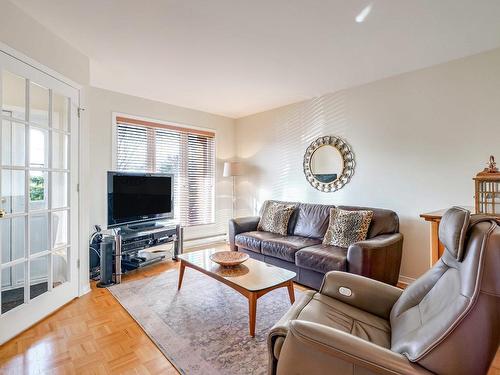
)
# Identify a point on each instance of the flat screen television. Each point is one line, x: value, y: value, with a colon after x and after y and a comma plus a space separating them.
x: 135, y: 198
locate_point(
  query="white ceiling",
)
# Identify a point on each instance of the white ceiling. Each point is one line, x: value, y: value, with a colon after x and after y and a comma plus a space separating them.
x: 238, y: 57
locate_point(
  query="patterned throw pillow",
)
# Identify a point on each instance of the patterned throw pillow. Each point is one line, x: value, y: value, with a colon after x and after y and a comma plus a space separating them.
x: 347, y: 227
x: 275, y: 217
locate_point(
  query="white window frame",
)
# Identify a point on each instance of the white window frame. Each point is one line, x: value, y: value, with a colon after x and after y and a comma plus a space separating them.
x: 115, y: 115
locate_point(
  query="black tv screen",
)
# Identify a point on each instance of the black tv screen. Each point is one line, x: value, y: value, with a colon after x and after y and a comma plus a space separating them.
x: 139, y: 197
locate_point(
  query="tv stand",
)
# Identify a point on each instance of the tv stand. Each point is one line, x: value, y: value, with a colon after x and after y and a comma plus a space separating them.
x: 131, y: 246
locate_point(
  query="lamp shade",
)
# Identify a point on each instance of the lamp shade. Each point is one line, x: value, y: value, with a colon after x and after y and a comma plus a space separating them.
x: 231, y: 168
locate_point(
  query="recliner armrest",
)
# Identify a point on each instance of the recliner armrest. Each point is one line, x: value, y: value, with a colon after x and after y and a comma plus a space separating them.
x: 378, y: 258
x: 369, y: 295
x: 312, y: 348
x: 278, y: 332
x: 241, y: 225
x: 281, y: 327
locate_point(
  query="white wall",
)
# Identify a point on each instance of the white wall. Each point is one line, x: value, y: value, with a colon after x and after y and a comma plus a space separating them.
x: 101, y: 105
x: 26, y: 35
x: 418, y: 139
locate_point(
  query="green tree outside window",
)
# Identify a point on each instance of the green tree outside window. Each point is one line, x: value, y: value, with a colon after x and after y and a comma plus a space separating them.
x: 37, y: 188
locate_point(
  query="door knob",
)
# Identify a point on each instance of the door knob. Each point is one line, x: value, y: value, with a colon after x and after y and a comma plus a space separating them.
x: 2, y: 212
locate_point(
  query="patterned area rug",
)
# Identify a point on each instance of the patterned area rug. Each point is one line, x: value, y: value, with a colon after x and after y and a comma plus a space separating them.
x: 203, y: 329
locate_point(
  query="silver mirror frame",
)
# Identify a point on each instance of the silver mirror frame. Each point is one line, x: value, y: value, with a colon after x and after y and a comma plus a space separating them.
x: 347, y: 156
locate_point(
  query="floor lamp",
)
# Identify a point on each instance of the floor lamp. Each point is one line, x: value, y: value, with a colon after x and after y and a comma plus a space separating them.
x: 232, y: 169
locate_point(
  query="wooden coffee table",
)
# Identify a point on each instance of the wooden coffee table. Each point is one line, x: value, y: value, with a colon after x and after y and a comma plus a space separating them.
x: 252, y: 278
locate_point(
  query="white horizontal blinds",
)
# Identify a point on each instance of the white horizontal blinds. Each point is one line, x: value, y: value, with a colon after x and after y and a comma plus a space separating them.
x: 189, y: 154
x: 201, y: 179
x: 168, y: 154
x: 132, y: 148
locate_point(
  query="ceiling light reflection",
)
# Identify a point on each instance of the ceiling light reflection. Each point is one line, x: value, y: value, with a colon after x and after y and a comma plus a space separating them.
x: 364, y: 13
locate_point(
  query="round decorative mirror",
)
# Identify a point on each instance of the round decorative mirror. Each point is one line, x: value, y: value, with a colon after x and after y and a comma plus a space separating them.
x: 328, y: 163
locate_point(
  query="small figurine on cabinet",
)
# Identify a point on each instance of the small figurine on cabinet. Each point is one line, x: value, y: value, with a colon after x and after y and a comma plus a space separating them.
x: 487, y: 197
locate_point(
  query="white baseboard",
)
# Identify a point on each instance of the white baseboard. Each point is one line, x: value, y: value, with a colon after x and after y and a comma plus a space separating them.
x: 405, y: 280
x: 197, y: 242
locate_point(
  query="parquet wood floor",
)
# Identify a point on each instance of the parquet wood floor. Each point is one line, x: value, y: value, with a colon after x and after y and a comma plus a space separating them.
x: 94, y: 335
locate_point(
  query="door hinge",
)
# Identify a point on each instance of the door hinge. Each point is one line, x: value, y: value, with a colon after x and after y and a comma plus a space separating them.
x: 80, y: 110
x: 78, y: 263
x: 77, y: 188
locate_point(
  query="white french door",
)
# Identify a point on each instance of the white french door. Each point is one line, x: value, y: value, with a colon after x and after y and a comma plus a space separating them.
x: 38, y: 195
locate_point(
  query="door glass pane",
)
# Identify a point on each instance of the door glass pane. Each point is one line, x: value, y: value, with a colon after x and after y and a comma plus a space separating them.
x: 59, y: 150
x: 39, y: 148
x: 12, y: 200
x: 12, y: 287
x: 39, y: 232
x: 60, y: 228
x: 39, y: 104
x: 39, y: 276
x: 13, y: 141
x: 59, y: 189
x: 38, y: 190
x: 60, y: 268
x: 60, y: 114
x: 12, y: 240
x: 14, y: 95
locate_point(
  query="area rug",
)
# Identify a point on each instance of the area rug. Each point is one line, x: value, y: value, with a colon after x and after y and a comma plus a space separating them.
x: 203, y: 328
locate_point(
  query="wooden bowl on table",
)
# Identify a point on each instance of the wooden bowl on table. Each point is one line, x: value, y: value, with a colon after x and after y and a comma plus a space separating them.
x: 228, y: 258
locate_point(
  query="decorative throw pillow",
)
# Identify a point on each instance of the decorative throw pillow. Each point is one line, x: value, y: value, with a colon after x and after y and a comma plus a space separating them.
x: 347, y: 227
x: 275, y: 217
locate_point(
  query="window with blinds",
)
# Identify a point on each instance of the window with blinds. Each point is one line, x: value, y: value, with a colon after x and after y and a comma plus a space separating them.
x: 189, y: 154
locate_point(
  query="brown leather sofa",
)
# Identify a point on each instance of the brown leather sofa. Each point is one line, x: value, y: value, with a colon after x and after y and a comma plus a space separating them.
x: 446, y: 322
x: 302, y: 251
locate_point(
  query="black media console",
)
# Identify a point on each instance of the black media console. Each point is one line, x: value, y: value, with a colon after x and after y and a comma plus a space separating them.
x: 136, y: 248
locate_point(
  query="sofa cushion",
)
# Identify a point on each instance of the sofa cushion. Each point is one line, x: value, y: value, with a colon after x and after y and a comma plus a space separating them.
x: 343, y: 317
x: 286, y: 247
x: 252, y: 240
x: 275, y: 217
x: 383, y: 221
x: 322, y: 258
x: 347, y: 227
x: 312, y: 220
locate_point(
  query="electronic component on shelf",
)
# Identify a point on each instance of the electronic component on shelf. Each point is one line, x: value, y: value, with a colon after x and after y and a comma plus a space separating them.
x: 136, y: 248
x: 132, y: 241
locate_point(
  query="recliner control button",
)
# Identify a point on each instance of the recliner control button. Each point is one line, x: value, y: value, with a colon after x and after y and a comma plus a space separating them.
x: 345, y: 291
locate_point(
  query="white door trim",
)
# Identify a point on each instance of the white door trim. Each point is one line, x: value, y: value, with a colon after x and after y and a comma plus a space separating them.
x: 67, y: 290
x: 35, y: 64
x: 82, y: 288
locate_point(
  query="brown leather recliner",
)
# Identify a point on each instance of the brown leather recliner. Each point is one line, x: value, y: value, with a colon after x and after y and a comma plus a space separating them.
x: 446, y: 322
